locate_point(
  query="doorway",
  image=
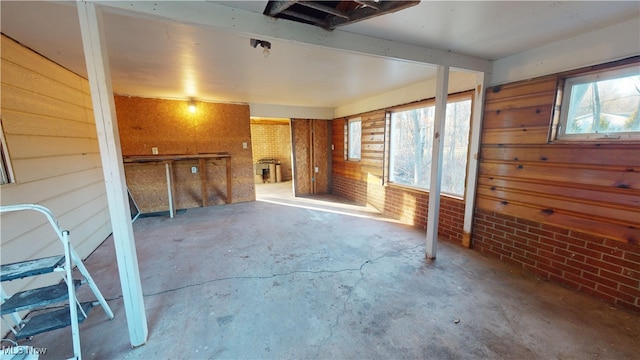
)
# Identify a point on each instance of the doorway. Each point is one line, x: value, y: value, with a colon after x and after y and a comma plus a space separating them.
x: 272, y: 159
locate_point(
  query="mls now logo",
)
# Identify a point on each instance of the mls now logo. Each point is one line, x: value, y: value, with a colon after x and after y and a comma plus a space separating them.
x: 22, y: 352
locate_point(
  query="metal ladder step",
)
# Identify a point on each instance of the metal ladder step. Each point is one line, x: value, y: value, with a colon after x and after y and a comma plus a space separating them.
x: 30, y: 267
x: 52, y: 320
x: 39, y: 297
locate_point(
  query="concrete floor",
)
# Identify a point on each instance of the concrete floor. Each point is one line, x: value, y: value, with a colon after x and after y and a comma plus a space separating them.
x: 268, y: 279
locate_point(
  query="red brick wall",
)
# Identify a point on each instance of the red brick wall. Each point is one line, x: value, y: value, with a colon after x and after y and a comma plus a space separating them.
x: 409, y: 206
x: 596, y: 265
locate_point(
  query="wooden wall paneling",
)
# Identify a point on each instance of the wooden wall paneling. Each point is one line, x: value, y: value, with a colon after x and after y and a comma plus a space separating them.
x: 612, y: 195
x: 583, y: 186
x: 534, y: 116
x: 605, y: 176
x: 586, y: 154
x: 585, y: 223
x: 522, y: 89
x: 549, y: 203
x: 301, y: 147
x: 147, y: 184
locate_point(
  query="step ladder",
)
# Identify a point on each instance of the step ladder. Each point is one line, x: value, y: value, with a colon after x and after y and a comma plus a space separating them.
x: 72, y: 313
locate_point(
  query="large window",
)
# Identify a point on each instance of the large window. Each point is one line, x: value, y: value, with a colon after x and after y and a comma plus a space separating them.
x: 602, y: 105
x: 411, y: 143
x: 354, y: 144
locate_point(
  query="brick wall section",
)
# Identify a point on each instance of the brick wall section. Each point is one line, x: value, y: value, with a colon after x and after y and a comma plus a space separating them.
x: 274, y: 142
x: 406, y: 205
x: 596, y: 265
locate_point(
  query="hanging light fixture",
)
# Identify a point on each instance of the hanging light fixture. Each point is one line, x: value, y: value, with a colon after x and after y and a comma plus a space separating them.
x: 192, y: 105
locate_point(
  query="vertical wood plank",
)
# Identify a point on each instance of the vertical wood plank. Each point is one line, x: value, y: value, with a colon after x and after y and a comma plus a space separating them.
x: 472, y: 162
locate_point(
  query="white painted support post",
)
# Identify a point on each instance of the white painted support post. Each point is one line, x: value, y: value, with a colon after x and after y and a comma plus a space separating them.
x: 109, y: 141
x: 169, y: 172
x: 442, y: 87
x: 474, y: 150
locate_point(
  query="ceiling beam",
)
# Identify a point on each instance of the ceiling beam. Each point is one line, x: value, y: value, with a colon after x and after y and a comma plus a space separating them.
x: 304, y: 17
x: 255, y: 25
x: 276, y: 7
x: 325, y: 9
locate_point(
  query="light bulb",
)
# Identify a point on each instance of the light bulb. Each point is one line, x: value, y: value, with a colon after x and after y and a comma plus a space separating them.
x: 265, y: 52
x: 192, y: 106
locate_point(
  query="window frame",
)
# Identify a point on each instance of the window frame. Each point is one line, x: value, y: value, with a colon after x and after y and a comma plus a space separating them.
x: 6, y: 177
x: 389, y: 160
x: 350, y: 143
x: 563, y: 97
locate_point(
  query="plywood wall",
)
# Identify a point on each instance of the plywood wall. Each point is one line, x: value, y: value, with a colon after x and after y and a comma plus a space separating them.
x: 168, y: 125
x: 593, y: 188
x: 51, y: 138
x: 312, y: 161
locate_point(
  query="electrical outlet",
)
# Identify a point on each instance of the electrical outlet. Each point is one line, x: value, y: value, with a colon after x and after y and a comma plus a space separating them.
x: 244, y: 145
x: 154, y: 150
x: 194, y: 169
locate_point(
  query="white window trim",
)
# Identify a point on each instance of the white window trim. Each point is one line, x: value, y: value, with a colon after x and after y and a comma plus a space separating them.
x: 564, y: 90
x: 5, y: 159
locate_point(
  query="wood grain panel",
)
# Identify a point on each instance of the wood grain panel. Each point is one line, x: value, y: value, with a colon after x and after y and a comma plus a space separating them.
x: 594, y: 154
x: 612, y: 195
x: 301, y: 135
x: 523, y: 88
x: 536, y: 116
x: 536, y: 135
x: 606, y: 177
x: 553, y: 203
x: 590, y: 225
x: 321, y: 156
x: 593, y: 188
x: 519, y: 102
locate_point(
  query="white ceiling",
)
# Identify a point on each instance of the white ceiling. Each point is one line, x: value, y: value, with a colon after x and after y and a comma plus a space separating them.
x: 159, y: 58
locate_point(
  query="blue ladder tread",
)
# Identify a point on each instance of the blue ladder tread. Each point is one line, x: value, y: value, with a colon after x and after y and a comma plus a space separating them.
x: 39, y: 297
x: 30, y: 267
x: 52, y: 320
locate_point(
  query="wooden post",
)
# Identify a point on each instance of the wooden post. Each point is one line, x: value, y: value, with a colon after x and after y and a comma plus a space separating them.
x: 111, y: 154
x: 474, y: 151
x: 171, y: 187
x: 442, y: 86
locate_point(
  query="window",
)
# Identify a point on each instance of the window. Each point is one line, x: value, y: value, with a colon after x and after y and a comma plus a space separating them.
x: 355, y: 139
x: 602, y: 105
x: 6, y: 175
x: 411, y: 142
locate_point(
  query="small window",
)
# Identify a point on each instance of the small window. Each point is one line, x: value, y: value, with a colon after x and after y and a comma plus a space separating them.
x: 601, y: 106
x: 354, y: 143
x: 6, y: 175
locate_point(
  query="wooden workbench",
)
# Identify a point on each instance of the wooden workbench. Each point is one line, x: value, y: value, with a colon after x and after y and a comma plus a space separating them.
x: 168, y: 160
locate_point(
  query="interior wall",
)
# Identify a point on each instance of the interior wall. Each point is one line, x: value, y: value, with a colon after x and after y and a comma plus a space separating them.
x: 568, y: 212
x: 272, y: 139
x: 50, y: 132
x: 362, y: 181
x: 169, y: 126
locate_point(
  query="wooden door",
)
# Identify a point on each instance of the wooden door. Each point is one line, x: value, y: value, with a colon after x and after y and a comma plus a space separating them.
x: 311, y: 156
